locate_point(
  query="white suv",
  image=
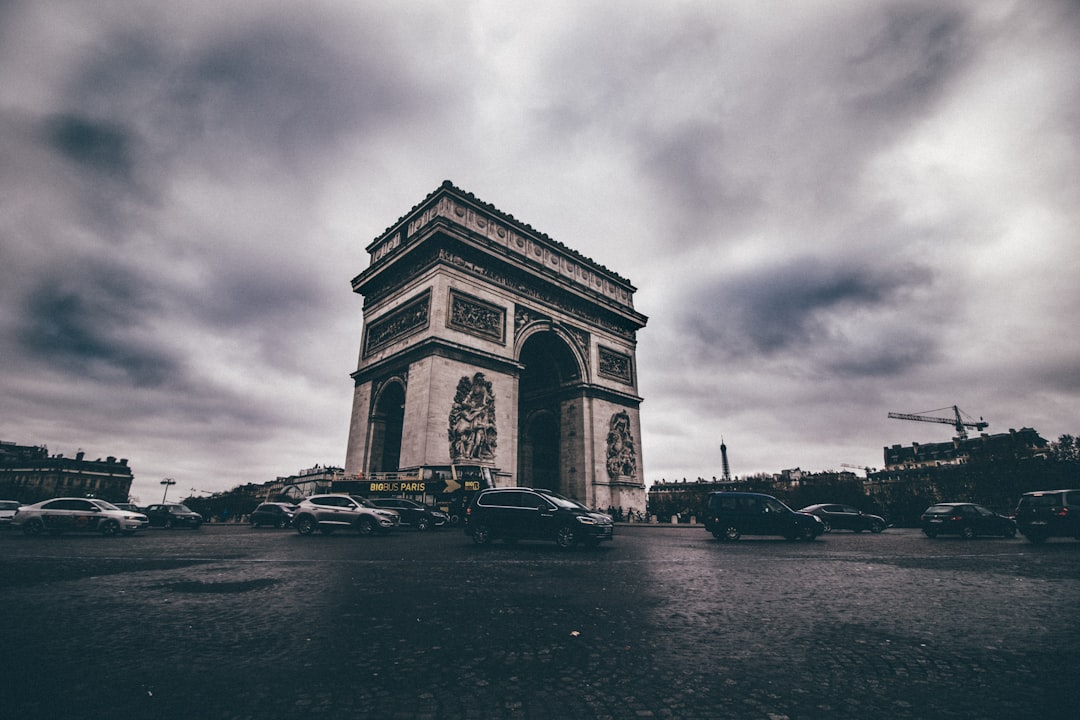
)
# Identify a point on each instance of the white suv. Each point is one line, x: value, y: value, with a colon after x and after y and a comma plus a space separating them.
x: 327, y: 513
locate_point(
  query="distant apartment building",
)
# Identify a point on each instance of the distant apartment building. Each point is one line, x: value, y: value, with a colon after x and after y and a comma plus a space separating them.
x: 1022, y: 443
x: 29, y: 474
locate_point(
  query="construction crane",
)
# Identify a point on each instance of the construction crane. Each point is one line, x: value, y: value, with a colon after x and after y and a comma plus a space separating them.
x: 856, y: 467
x: 958, y: 420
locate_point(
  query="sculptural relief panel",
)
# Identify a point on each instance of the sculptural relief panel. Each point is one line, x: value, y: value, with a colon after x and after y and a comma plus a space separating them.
x: 476, y: 317
x: 410, y: 318
x: 472, y: 432
x: 616, y: 365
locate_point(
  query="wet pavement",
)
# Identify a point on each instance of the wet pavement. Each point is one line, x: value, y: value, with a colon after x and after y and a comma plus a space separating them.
x: 230, y: 622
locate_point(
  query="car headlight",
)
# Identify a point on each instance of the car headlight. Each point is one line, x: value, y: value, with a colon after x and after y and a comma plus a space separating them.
x: 586, y: 520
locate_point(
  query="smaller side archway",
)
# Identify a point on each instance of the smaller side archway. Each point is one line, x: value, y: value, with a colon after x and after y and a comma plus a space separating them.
x: 387, y: 424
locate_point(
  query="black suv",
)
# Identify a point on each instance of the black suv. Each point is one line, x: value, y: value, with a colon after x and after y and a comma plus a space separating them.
x: 730, y: 515
x: 517, y: 513
x: 1049, y: 513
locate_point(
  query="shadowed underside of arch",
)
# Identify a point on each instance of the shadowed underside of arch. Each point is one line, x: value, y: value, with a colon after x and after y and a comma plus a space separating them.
x: 550, y: 371
x: 387, y: 425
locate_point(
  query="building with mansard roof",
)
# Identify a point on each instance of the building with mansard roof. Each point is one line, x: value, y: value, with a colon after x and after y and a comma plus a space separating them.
x: 28, y: 473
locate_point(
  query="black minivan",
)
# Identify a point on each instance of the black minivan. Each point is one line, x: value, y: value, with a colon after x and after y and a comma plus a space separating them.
x: 730, y: 515
x: 517, y: 513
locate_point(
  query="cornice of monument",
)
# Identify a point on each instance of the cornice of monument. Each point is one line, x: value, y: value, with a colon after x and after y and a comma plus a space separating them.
x: 450, y: 206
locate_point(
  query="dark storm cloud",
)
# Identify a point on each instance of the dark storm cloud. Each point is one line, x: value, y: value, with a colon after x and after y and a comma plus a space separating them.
x: 86, y: 320
x: 799, y: 308
x: 916, y: 50
x: 101, y: 147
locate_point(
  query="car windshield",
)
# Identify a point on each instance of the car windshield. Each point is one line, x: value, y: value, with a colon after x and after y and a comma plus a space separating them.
x: 104, y: 505
x: 1040, y: 500
x: 364, y: 502
x: 8, y: 505
x: 776, y: 506
x: 940, y: 510
x: 562, y: 501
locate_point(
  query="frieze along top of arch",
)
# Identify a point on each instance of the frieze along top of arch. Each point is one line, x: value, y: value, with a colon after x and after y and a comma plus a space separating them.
x: 451, y: 204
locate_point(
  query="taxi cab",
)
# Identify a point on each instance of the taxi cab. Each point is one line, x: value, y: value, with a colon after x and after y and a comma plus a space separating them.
x: 61, y: 515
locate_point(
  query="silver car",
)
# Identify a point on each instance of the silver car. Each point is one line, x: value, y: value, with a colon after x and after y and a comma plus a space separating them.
x: 7, y: 511
x: 61, y: 515
x: 327, y: 513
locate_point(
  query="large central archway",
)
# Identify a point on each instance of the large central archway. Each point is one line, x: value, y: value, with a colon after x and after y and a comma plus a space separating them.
x: 550, y: 371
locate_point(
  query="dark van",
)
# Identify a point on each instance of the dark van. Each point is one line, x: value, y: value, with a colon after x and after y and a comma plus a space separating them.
x: 1049, y: 513
x: 730, y: 515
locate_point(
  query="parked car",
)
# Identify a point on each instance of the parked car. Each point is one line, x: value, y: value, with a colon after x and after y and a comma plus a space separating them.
x: 7, y: 511
x: 1049, y: 513
x: 61, y: 515
x: 413, y: 513
x: 173, y: 515
x: 327, y: 513
x: 518, y: 513
x: 273, y: 514
x: 845, y: 517
x: 966, y: 520
x: 730, y: 515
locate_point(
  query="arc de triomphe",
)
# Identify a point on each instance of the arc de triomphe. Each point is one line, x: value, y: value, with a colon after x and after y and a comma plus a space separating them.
x: 487, y: 342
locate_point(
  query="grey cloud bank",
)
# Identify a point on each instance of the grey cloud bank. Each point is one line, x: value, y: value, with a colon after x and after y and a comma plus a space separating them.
x: 831, y: 211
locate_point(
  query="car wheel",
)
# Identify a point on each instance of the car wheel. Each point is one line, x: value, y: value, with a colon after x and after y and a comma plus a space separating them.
x: 565, y: 537
x: 828, y: 527
x: 305, y: 525
x: 424, y: 523
x: 283, y: 523
x: 366, y: 526
x: 876, y: 527
x: 481, y: 535
x: 110, y: 528
x: 256, y: 524
x: 168, y: 524
x: 807, y: 534
x: 731, y: 533
x: 33, y: 527
x: 967, y: 533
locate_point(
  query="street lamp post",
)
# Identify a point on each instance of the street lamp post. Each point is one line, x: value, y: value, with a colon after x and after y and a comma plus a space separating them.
x: 166, y: 482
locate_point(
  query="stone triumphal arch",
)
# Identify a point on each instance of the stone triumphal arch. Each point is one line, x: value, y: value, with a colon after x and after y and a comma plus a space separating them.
x: 485, y: 342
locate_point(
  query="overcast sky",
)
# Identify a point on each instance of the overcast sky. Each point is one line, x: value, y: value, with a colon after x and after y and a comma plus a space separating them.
x: 831, y: 210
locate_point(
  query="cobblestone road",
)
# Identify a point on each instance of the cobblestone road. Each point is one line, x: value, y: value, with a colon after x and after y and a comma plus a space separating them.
x: 228, y: 622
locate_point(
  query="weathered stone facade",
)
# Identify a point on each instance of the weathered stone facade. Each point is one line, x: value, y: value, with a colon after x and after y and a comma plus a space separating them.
x: 488, y: 342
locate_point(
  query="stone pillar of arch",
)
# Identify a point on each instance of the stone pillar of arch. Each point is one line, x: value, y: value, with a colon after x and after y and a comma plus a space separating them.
x: 486, y: 342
